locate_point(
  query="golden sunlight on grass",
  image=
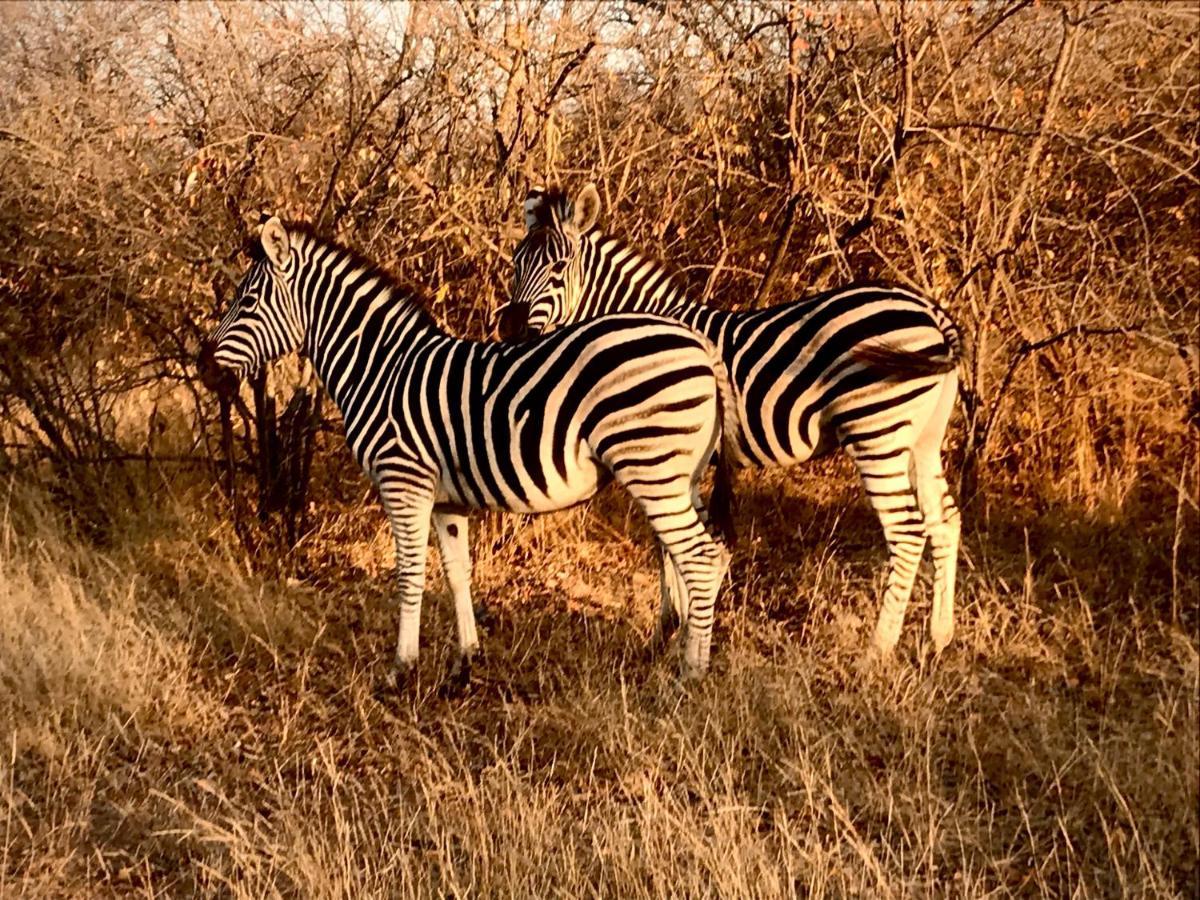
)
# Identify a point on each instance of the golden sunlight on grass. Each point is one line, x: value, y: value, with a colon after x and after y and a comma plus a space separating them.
x: 175, y: 726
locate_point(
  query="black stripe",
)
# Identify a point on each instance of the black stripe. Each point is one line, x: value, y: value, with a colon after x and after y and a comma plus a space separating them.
x: 871, y: 409
x: 636, y: 435
x: 865, y: 436
x: 643, y: 461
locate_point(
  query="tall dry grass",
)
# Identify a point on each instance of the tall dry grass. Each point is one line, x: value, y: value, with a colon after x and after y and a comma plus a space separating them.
x: 174, y: 725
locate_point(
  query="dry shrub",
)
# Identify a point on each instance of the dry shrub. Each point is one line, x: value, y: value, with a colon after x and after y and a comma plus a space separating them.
x: 1031, y: 166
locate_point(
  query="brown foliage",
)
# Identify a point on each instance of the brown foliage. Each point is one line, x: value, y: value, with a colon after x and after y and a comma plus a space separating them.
x: 1033, y: 167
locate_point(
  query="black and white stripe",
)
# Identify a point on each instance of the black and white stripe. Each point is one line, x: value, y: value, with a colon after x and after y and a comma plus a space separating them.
x: 869, y: 368
x: 442, y: 425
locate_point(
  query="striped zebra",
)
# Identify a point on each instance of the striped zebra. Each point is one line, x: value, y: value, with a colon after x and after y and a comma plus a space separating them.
x: 870, y: 368
x: 443, y: 425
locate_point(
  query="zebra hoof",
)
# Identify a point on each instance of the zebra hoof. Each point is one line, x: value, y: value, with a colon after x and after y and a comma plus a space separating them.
x: 941, y: 639
x: 398, y: 677
x: 459, y: 677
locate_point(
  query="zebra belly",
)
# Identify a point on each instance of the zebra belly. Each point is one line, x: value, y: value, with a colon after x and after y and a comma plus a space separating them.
x: 584, y: 476
x: 582, y: 482
x: 777, y: 441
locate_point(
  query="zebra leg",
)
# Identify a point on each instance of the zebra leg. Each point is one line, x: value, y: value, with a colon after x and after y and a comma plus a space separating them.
x: 943, y: 524
x: 456, y: 560
x: 888, y: 478
x: 664, y: 485
x: 702, y: 563
x: 673, y: 612
x: 408, y: 510
x: 698, y: 562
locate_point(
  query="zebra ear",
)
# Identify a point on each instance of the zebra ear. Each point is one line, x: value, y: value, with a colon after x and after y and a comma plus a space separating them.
x: 535, y: 202
x: 275, y: 242
x: 586, y: 207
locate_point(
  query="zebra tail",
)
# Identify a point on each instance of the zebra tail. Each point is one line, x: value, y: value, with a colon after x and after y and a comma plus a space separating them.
x: 898, y: 363
x: 723, y: 502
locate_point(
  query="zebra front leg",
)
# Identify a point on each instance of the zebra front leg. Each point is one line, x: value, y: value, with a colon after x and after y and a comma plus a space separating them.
x: 408, y: 508
x: 456, y: 560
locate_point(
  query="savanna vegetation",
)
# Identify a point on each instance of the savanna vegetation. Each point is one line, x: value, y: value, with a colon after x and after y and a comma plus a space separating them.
x: 194, y: 590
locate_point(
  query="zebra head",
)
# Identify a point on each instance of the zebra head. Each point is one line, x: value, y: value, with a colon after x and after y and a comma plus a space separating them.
x: 263, y: 322
x: 548, y: 263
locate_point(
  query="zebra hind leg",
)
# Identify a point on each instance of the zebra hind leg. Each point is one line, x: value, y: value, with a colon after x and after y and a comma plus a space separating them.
x: 888, y: 478
x: 698, y: 562
x: 943, y: 523
x: 671, y: 612
x: 702, y: 566
x: 664, y: 485
x: 456, y: 560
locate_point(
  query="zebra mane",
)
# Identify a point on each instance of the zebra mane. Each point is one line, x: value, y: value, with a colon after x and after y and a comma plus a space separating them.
x: 552, y: 205
x: 402, y: 289
x: 679, y: 283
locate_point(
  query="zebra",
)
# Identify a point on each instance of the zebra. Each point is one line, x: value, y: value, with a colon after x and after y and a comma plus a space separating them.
x: 443, y: 425
x: 872, y: 368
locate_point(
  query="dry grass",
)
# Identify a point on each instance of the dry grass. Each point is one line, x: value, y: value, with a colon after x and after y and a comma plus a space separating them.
x: 175, y: 725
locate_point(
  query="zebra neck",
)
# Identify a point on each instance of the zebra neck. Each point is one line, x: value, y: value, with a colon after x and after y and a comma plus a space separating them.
x: 360, y: 324
x: 620, y: 279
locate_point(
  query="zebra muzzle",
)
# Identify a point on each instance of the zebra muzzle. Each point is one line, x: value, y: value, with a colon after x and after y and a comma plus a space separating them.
x: 213, y: 375
x: 511, y: 322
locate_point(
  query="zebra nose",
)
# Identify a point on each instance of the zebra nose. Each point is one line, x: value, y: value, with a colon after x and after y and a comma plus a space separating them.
x: 213, y: 375
x: 512, y: 322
